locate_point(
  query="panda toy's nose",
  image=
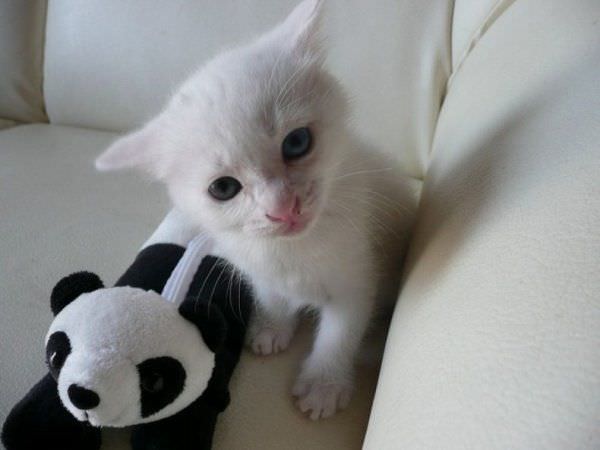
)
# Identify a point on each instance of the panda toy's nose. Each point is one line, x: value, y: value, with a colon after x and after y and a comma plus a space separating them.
x: 83, y: 398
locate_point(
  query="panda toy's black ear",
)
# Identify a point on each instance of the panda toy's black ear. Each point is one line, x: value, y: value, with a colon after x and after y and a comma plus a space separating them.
x: 208, y: 319
x: 71, y: 287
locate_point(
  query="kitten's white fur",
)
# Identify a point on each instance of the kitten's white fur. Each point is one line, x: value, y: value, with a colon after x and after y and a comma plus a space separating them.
x: 230, y: 119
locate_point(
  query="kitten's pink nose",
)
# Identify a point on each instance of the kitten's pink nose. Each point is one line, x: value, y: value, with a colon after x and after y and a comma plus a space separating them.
x: 287, y: 211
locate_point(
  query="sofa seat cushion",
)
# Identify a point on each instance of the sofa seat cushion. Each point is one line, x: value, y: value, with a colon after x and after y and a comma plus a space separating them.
x: 59, y: 216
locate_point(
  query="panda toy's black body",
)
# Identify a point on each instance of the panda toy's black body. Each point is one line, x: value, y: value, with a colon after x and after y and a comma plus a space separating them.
x: 123, y: 356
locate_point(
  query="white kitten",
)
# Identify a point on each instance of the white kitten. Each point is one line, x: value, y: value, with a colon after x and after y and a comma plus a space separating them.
x: 256, y: 149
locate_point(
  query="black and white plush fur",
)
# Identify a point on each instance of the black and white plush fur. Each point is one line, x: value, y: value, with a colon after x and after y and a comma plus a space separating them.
x: 124, y: 356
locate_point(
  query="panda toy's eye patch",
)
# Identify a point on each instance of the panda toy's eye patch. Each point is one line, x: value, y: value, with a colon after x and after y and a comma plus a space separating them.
x: 57, y: 351
x: 161, y: 381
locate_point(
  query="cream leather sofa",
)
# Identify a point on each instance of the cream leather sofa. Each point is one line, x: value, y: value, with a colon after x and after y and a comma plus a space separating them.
x: 493, y: 104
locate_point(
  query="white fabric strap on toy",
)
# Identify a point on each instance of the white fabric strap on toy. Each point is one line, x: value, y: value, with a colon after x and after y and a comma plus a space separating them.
x: 174, y: 229
x: 180, y: 280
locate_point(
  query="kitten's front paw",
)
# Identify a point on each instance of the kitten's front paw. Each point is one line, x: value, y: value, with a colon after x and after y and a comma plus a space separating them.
x: 321, y: 398
x: 267, y: 340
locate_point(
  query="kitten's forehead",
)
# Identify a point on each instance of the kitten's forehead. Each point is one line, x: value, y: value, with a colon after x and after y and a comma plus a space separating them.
x: 237, y: 109
x: 235, y: 113
x: 260, y: 87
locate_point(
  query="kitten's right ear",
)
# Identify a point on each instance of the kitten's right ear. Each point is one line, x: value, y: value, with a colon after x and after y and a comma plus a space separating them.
x: 139, y: 149
x: 302, y: 27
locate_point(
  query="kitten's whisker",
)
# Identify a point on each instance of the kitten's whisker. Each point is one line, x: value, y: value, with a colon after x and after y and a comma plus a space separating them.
x: 274, y: 68
x: 289, y: 106
x: 378, y: 196
x: 369, y: 202
x: 229, y: 286
x: 375, y: 221
x: 239, y: 274
x: 389, y: 202
x: 359, y: 172
x: 204, y: 283
x: 351, y: 222
x: 216, y: 285
x: 290, y: 83
x: 268, y: 106
x: 374, y: 236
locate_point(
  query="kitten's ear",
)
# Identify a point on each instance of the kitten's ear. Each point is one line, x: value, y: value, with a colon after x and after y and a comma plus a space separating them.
x: 139, y: 149
x: 302, y: 27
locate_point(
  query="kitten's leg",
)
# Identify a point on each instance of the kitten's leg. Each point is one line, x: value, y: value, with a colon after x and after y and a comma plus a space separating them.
x: 326, y: 380
x: 272, y: 325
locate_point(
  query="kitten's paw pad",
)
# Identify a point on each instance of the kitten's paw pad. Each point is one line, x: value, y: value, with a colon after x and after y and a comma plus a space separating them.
x: 267, y: 341
x: 321, y: 399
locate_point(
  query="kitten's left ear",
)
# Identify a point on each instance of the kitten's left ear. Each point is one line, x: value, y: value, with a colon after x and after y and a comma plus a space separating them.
x: 140, y: 149
x: 302, y: 27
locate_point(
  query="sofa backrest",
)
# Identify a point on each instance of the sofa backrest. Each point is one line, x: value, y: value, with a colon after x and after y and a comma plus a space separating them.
x: 111, y: 64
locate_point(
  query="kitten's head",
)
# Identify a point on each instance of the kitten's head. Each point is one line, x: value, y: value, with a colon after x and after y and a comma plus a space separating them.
x: 249, y: 144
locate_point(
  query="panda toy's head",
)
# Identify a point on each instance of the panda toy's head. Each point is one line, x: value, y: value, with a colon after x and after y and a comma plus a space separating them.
x: 123, y: 356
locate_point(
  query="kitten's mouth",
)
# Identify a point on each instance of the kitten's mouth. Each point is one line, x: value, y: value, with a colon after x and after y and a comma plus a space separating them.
x: 293, y: 228
x: 300, y: 223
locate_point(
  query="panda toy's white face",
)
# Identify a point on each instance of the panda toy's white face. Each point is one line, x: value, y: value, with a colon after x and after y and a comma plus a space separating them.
x: 123, y: 356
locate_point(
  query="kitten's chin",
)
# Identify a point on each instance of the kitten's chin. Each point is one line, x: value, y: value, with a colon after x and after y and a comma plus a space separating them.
x: 290, y: 231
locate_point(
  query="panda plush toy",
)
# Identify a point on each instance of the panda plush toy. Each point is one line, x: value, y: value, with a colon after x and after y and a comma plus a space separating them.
x: 126, y: 356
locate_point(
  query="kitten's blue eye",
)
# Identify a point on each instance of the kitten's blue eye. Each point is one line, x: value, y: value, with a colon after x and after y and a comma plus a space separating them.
x: 296, y: 144
x: 224, y: 188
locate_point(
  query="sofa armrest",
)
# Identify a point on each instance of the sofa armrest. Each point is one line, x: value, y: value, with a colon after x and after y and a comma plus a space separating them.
x: 22, y: 26
x: 5, y: 123
x: 495, y: 341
